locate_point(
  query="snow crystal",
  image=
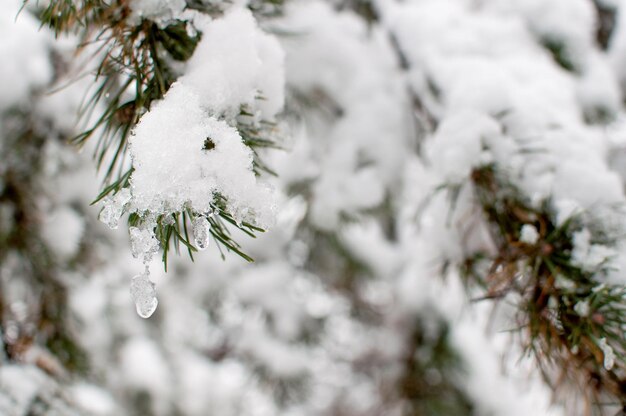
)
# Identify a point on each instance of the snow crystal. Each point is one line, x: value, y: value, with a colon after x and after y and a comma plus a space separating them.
x: 143, y: 243
x: 529, y: 234
x: 201, y: 232
x: 173, y: 169
x: 609, y: 354
x: 143, y: 292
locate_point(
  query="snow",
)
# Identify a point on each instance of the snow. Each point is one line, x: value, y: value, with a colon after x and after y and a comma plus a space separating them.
x: 587, y: 255
x: 241, y: 62
x: 529, y: 234
x: 63, y: 231
x: 457, y: 146
x: 172, y: 170
x: 582, y: 308
x: 144, y: 366
x: 22, y: 73
x: 93, y: 399
x: 159, y: 10
x: 609, y: 354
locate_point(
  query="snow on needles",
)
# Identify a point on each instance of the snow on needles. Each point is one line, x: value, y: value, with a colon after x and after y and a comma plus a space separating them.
x: 232, y: 66
x: 172, y: 169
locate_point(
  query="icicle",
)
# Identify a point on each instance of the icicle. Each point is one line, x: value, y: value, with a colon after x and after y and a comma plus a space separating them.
x: 143, y: 292
x: 143, y: 243
x: 201, y: 232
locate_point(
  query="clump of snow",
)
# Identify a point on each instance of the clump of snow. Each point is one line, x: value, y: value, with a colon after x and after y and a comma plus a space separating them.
x: 459, y: 143
x: 588, y: 255
x: 529, y: 234
x: 159, y: 10
x: 566, y: 208
x: 582, y: 308
x: 236, y: 63
x: 599, y: 90
x: 609, y: 354
x: 93, y: 399
x: 566, y: 22
x: 172, y: 169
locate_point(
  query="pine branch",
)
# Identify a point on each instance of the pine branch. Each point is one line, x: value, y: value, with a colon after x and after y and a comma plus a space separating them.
x: 572, y: 320
x: 134, y: 66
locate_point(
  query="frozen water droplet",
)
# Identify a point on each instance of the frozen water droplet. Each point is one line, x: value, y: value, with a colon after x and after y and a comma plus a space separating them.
x: 143, y: 292
x: 143, y: 243
x: 201, y: 232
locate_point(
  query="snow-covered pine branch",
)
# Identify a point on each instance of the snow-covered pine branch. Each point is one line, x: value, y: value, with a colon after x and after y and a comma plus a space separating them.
x: 192, y: 96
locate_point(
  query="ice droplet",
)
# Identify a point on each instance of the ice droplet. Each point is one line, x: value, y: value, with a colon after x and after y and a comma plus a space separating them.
x: 143, y: 292
x: 201, y: 232
x: 143, y: 243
